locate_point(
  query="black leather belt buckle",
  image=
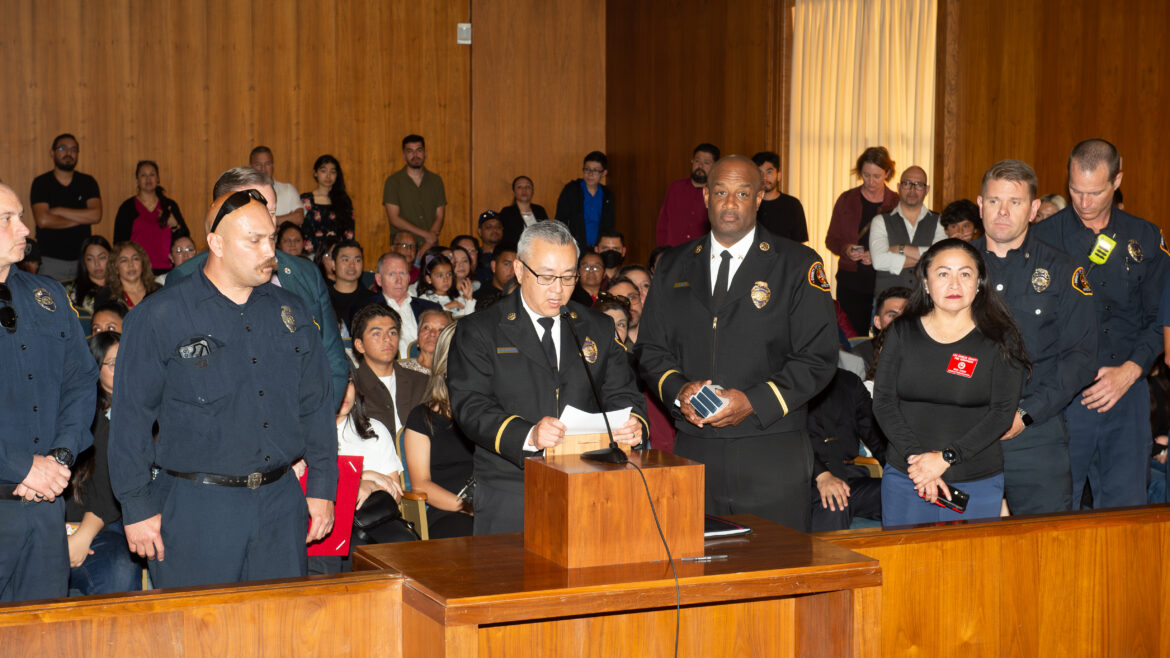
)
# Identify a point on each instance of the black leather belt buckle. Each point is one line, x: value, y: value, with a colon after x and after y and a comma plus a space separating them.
x: 255, y: 480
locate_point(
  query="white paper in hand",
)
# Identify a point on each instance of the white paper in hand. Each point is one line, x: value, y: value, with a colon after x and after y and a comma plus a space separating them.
x: 581, y: 422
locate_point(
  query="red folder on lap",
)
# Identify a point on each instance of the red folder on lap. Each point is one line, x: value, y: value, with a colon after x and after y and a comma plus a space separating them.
x: 349, y: 477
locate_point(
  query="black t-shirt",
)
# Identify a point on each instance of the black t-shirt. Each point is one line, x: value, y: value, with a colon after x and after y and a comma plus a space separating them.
x: 931, y: 396
x: 451, y: 451
x: 784, y: 216
x: 345, y: 304
x: 63, y: 243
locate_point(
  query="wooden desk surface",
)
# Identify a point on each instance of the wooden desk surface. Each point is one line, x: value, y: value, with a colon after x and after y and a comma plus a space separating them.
x: 491, y: 579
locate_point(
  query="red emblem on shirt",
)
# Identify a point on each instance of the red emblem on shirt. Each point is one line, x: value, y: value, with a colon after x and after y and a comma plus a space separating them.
x: 962, y: 365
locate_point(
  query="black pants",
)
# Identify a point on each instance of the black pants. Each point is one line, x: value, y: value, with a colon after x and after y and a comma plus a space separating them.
x: 865, y: 501
x: 767, y: 475
x: 498, y: 510
x: 1036, y: 475
x: 443, y: 524
x: 34, y: 558
x: 214, y: 534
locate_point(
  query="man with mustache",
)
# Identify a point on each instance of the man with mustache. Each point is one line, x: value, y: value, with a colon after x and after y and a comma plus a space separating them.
x: 293, y: 273
x: 745, y: 310
x: 232, y: 369
x: 683, y: 216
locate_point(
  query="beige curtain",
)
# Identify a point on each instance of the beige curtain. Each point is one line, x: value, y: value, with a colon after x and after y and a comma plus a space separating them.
x: 862, y: 75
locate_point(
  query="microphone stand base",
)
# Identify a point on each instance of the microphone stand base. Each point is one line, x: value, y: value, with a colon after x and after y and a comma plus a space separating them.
x: 610, y: 455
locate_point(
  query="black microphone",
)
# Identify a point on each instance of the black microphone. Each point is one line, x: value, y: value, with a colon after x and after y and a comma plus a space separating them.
x: 613, y: 454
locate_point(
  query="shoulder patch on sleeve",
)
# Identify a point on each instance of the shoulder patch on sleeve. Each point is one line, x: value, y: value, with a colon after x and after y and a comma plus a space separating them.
x: 817, y: 278
x: 1162, y: 243
x: 1080, y: 282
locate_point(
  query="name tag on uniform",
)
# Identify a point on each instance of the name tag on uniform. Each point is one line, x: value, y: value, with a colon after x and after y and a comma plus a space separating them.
x: 507, y: 350
x: 682, y: 284
x: 962, y: 365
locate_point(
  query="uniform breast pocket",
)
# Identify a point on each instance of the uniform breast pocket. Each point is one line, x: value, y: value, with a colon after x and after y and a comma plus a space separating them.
x: 1038, y: 318
x: 196, y: 378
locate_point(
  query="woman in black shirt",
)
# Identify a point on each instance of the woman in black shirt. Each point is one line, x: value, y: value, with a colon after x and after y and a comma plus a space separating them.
x: 437, y: 454
x: 949, y: 373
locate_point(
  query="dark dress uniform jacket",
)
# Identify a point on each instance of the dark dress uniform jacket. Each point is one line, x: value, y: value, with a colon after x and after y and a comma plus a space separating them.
x: 774, y: 338
x: 260, y: 399
x: 501, y: 385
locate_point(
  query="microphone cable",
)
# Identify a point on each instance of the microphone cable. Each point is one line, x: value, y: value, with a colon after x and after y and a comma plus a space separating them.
x: 567, y: 318
x: 669, y: 558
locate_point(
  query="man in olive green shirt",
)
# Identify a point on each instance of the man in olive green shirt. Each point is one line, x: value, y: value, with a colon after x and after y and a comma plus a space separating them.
x: 414, y: 196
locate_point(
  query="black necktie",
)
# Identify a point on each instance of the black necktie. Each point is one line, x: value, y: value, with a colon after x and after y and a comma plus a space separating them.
x: 546, y: 341
x: 720, y: 291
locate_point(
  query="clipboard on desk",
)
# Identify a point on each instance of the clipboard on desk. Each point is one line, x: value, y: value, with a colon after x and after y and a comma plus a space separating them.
x: 349, y: 477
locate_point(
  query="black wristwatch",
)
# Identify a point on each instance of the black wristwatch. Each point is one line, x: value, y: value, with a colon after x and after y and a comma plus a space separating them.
x: 1024, y: 417
x: 950, y: 456
x: 64, y: 456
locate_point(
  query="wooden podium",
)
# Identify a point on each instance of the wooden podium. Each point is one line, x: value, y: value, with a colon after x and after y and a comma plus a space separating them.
x: 579, y: 513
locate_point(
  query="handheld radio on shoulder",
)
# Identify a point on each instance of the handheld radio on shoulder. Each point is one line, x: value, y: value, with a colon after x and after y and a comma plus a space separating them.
x: 1102, y: 249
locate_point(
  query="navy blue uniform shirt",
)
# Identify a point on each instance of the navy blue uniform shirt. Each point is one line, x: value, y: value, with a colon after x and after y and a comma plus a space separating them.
x: 235, y: 389
x: 1053, y: 307
x: 48, y: 380
x: 1126, y: 289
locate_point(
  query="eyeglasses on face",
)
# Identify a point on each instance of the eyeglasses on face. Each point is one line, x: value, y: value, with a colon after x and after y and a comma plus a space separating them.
x: 236, y: 201
x: 918, y: 185
x: 568, y: 280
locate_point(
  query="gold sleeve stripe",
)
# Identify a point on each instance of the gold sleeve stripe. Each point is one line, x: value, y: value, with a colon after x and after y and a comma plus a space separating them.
x: 645, y: 423
x: 500, y: 433
x: 783, y: 404
x: 663, y: 379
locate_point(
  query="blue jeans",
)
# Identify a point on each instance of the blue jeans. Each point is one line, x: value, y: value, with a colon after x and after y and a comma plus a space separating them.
x: 111, y: 568
x: 902, y: 506
x: 1158, y: 492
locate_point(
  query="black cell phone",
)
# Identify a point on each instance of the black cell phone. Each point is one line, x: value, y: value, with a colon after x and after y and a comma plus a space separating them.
x: 958, y: 501
x: 706, y: 402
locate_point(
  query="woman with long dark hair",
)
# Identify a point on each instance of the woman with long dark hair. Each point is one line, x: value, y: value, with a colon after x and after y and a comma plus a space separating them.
x: 99, y: 558
x: 949, y: 374
x: 438, y: 455
x: 90, y: 280
x: 150, y: 218
x: 328, y: 208
x: 130, y: 280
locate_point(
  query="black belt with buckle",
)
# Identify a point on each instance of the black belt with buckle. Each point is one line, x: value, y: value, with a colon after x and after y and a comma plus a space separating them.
x: 251, y: 481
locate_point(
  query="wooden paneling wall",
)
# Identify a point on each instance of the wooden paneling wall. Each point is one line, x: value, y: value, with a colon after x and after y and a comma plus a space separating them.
x: 1028, y: 80
x: 1089, y: 584
x: 538, y: 83
x: 195, y: 85
x: 682, y: 72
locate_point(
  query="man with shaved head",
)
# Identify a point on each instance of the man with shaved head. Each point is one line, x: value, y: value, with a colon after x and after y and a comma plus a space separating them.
x: 232, y: 369
x: 293, y: 273
x: 748, y: 312
x: 897, y: 238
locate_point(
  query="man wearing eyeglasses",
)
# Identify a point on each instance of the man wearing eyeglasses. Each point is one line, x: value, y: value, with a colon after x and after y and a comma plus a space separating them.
x: 49, y: 397
x: 232, y: 369
x: 586, y: 205
x: 897, y: 238
x: 514, y: 367
x: 66, y: 204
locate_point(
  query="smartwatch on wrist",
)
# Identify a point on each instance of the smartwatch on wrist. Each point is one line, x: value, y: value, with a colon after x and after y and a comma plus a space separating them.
x: 950, y: 456
x: 64, y: 456
x: 1024, y: 417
